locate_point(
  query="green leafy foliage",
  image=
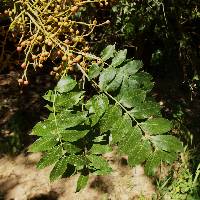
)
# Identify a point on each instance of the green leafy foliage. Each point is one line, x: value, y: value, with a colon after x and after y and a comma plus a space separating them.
x: 82, y: 127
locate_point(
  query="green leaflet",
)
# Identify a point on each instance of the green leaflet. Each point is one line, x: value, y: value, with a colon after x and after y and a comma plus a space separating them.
x: 82, y: 182
x: 99, y: 163
x: 70, y: 148
x: 133, y: 146
x: 156, y: 158
x: 156, y: 126
x: 132, y: 67
x: 152, y: 163
x: 106, y: 77
x: 97, y: 105
x: 59, y: 169
x: 145, y: 110
x: 44, y: 128
x: 139, y: 153
x: 109, y: 118
x: 132, y: 97
x: 43, y: 144
x: 121, y: 128
x: 77, y: 160
x: 108, y: 52
x: 73, y: 135
x: 50, y: 158
x: 100, y: 149
x: 145, y: 80
x: 68, y: 100
x: 94, y: 71
x: 167, y: 143
x: 49, y: 108
x: 49, y: 96
x: 129, y: 83
x: 119, y: 58
x: 116, y: 82
x: 65, y: 84
x: 68, y: 120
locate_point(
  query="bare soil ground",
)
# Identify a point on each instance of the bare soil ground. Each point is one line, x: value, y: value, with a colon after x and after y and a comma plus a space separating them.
x: 20, y: 180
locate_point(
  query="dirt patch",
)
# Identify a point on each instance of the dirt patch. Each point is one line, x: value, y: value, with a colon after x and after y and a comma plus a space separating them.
x: 20, y: 180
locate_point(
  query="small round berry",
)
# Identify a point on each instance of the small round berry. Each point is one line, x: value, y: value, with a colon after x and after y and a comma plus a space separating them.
x: 34, y: 57
x: 74, y: 9
x: 59, y: 52
x: 52, y: 73
x: 50, y: 43
x: 6, y: 12
x: 70, y: 55
x: 40, y: 38
x: 55, y: 69
x: 107, y: 22
x: 26, y: 82
x: 19, y: 49
x: 20, y: 81
x: 65, y: 24
x: 66, y: 41
x: 41, y: 59
x: 23, y: 65
x: 71, y: 30
x: 78, y: 58
x: 64, y: 58
x: 23, y: 44
x: 95, y: 22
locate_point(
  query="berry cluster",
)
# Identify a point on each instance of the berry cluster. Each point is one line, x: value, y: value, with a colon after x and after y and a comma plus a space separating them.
x: 53, y: 30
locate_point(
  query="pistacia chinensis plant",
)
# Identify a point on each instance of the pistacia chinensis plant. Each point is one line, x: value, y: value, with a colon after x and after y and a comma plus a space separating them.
x: 56, y: 31
x: 109, y: 107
